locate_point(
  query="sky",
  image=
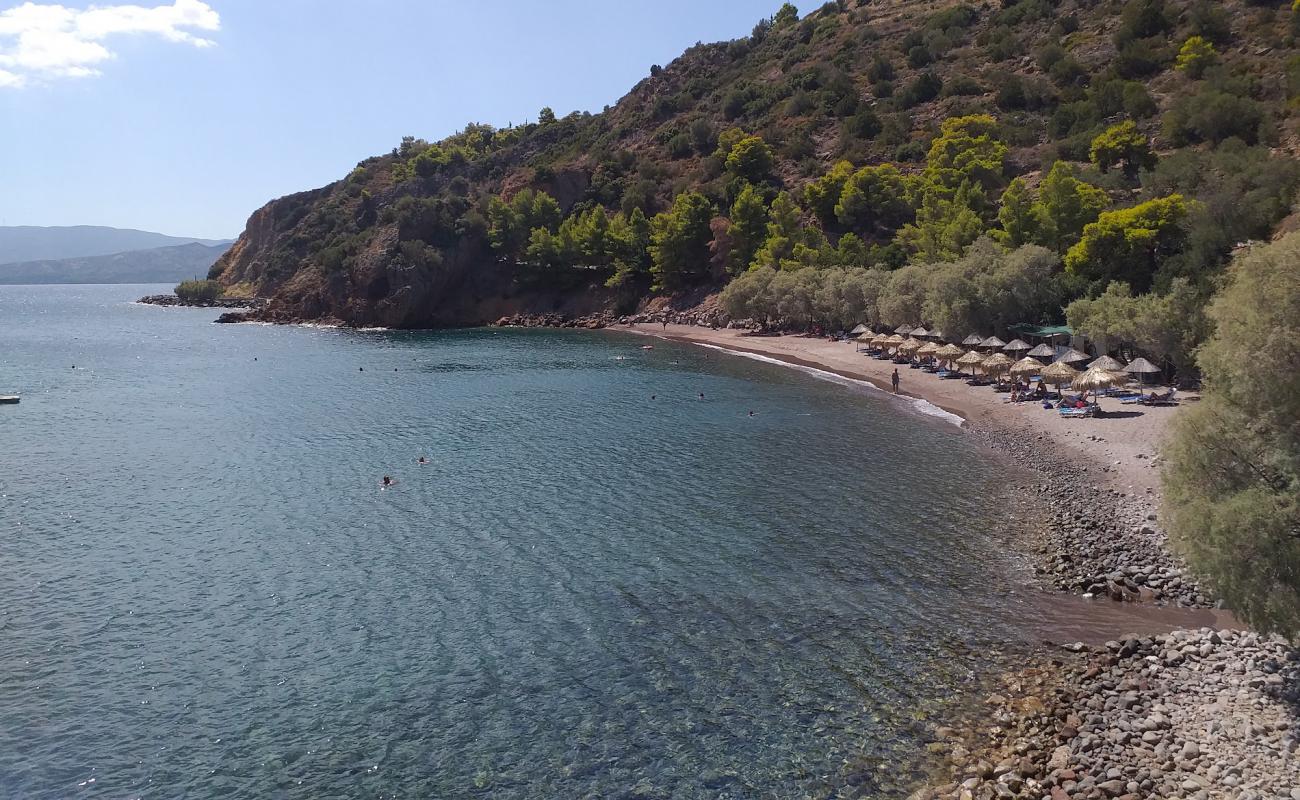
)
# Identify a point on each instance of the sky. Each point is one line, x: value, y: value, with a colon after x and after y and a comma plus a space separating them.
x: 185, y: 116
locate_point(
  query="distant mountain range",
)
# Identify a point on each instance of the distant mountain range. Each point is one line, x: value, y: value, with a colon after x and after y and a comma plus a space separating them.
x: 23, y: 243
x: 157, y: 265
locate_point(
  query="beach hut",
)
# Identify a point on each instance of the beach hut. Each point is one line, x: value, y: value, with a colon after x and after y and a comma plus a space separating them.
x: 1043, y: 352
x: 1015, y: 347
x: 1143, y: 369
x: 1026, y: 366
x: 1072, y: 357
x: 859, y: 330
x: 1059, y: 374
x: 1107, y: 363
x: 992, y: 343
x: 973, y: 340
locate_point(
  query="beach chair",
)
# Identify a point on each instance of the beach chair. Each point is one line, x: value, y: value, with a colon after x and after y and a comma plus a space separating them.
x: 1165, y: 399
x: 1074, y: 413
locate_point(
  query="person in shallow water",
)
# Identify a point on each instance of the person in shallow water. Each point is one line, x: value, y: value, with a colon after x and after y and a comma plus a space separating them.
x: 422, y: 460
x: 895, y: 380
x: 388, y: 481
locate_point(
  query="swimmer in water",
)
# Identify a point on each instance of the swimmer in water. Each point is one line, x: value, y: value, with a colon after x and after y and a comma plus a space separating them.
x: 388, y: 481
x: 654, y: 396
x: 422, y: 460
x: 701, y: 395
x: 751, y: 413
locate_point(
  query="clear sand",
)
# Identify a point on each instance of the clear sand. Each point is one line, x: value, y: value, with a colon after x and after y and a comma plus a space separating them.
x: 1125, y: 440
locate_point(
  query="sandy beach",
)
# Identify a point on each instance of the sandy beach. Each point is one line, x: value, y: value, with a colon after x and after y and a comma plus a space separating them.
x: 1125, y: 441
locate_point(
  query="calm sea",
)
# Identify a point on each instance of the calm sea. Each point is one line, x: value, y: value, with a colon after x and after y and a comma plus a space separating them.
x: 600, y: 586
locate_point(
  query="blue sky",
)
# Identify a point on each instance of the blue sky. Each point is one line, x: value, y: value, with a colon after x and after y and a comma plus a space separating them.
x: 188, y: 116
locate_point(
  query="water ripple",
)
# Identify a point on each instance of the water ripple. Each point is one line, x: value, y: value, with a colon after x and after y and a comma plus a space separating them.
x: 601, y: 585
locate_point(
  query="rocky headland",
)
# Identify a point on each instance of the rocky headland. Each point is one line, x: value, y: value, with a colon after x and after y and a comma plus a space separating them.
x: 220, y: 302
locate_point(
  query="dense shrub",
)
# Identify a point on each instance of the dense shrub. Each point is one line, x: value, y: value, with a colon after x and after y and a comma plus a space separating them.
x: 1232, y: 473
x: 198, y: 291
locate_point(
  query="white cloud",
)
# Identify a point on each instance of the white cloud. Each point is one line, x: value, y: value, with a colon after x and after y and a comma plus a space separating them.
x: 43, y: 42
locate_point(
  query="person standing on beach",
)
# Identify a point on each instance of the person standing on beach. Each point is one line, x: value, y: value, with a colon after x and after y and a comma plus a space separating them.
x: 894, y: 379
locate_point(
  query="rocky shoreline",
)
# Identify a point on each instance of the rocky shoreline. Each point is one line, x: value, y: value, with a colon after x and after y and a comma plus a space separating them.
x: 1198, y: 714
x: 1191, y: 714
x: 220, y: 302
x: 1095, y: 540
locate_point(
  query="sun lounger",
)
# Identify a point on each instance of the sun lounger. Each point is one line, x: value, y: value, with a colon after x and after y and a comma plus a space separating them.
x: 1088, y: 411
x: 1166, y: 399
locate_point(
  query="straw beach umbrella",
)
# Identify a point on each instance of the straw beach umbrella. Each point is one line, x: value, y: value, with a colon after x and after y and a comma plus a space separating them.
x: 1043, y: 351
x: 894, y: 341
x: 1072, y: 357
x: 910, y: 346
x: 1142, y: 368
x: 927, y: 350
x: 938, y: 336
x: 973, y: 340
x: 1026, y: 366
x: 1107, y: 363
x: 993, y: 343
x: 996, y: 363
x: 918, y: 333
x: 1097, y: 378
x: 1015, y: 346
x: 949, y: 353
x: 859, y: 330
x: 1059, y: 374
x: 903, y: 330
x: 971, y: 359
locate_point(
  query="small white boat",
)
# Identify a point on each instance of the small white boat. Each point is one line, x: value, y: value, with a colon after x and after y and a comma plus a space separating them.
x: 8, y: 398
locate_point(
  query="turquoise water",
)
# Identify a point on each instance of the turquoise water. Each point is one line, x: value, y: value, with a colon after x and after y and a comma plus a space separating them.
x: 587, y: 593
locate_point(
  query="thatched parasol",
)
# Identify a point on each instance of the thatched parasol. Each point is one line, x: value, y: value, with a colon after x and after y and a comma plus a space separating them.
x: 1042, y: 351
x: 1059, y: 374
x: 928, y: 349
x: 973, y: 340
x: 1026, y: 366
x: 992, y: 342
x: 894, y: 341
x: 903, y: 330
x: 972, y: 359
x: 1015, y: 346
x: 1143, y: 369
x: 998, y: 362
x: 938, y: 335
x: 1107, y: 363
x: 859, y: 330
x: 910, y: 346
x: 1073, y: 356
x: 1097, y: 378
x: 919, y: 333
x: 1142, y: 366
x: 949, y: 352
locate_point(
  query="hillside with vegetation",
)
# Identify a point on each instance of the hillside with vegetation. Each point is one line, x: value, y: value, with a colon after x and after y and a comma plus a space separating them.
x: 961, y: 165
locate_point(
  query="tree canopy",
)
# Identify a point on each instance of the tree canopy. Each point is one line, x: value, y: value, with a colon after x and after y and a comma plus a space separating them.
x: 1232, y: 476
